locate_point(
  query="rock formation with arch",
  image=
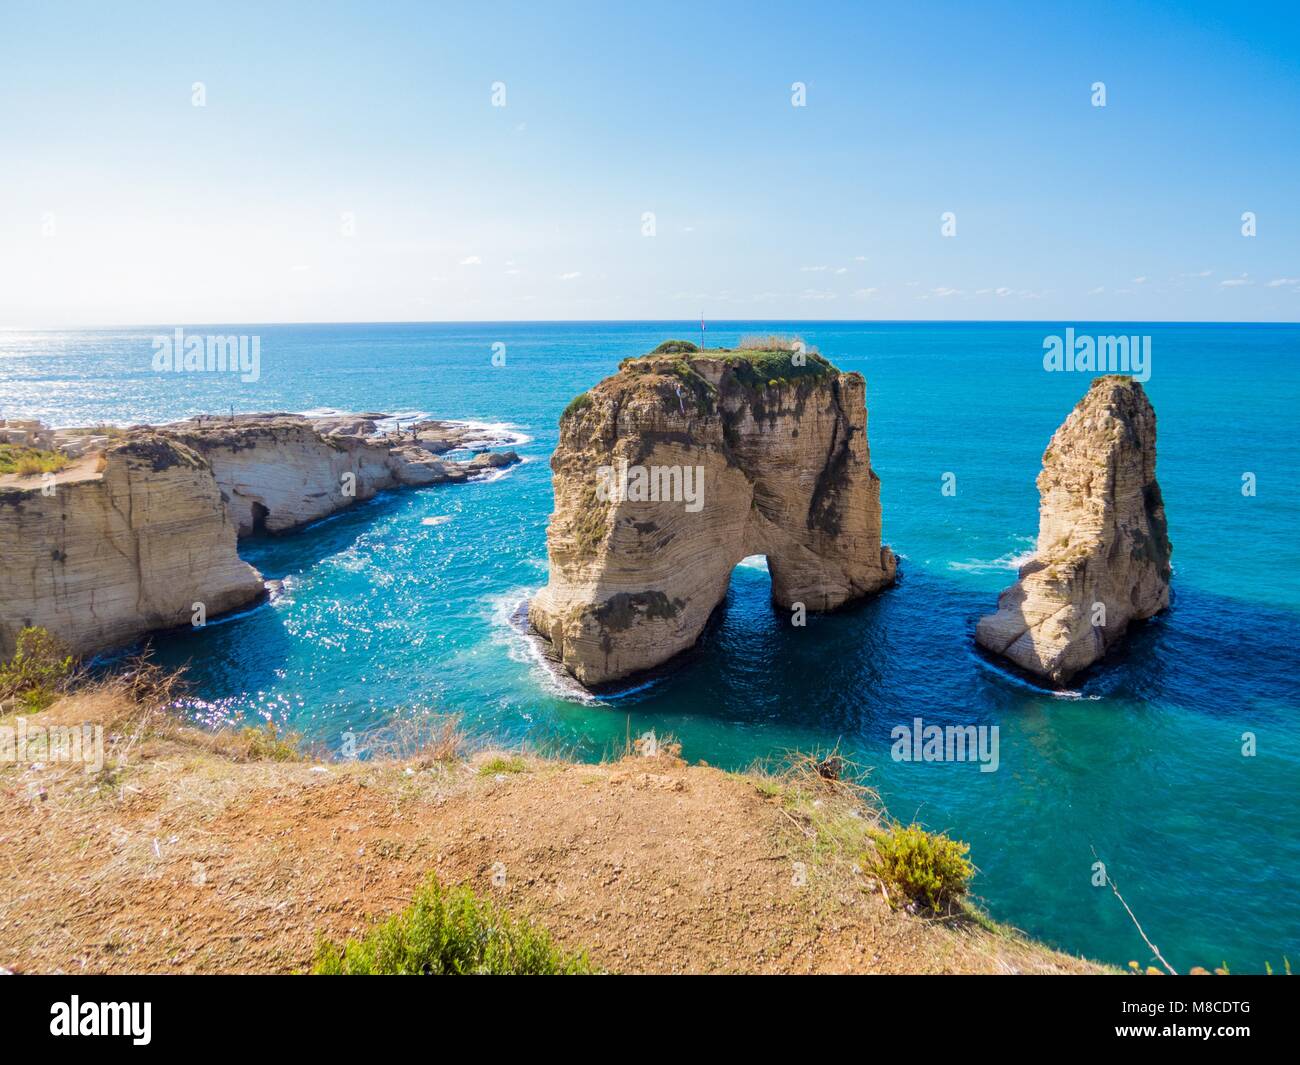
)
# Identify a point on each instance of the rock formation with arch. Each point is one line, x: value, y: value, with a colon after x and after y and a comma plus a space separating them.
x: 670, y: 472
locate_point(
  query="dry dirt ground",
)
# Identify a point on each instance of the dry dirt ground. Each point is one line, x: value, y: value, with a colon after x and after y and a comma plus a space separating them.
x: 191, y: 856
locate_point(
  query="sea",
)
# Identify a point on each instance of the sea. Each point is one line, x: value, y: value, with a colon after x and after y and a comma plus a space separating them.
x: 1176, y: 762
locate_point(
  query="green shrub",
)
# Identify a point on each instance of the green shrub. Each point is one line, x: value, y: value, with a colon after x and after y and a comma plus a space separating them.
x: 265, y: 743
x: 448, y: 932
x: 675, y: 347
x: 927, y: 867
x: 40, y: 666
x: 26, y: 461
x: 494, y: 766
x: 579, y: 402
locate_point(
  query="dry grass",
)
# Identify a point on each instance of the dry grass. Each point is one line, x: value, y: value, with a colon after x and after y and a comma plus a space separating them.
x: 422, y: 743
x: 183, y: 855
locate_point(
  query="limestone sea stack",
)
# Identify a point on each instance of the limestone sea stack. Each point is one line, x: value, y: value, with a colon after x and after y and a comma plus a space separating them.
x: 685, y: 462
x: 1102, y: 559
x: 124, y: 542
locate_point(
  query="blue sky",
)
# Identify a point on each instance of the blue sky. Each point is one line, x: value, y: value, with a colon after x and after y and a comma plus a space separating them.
x: 121, y: 202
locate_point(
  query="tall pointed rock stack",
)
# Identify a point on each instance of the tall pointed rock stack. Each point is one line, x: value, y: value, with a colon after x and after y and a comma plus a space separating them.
x: 1102, y: 559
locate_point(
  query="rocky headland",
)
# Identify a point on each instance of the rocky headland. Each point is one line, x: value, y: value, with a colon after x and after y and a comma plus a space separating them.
x: 126, y: 530
x: 1102, y: 559
x: 670, y: 472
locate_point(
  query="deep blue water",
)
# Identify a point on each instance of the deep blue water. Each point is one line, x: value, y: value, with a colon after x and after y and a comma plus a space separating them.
x: 384, y: 615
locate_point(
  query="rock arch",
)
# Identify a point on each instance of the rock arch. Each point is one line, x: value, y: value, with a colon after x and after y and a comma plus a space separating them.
x: 778, y: 445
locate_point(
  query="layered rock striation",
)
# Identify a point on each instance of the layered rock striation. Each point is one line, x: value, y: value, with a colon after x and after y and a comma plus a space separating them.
x: 100, y: 556
x: 142, y: 526
x: 1102, y: 559
x: 673, y: 470
x: 280, y: 471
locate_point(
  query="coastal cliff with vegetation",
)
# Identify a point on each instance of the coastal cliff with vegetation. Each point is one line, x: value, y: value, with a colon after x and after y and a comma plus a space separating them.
x: 670, y: 472
x: 108, y: 533
x: 188, y: 851
x: 1102, y: 560
x: 116, y: 545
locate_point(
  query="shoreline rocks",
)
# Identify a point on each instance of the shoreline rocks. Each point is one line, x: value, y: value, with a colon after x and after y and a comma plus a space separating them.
x: 776, y: 451
x: 1102, y: 559
x: 142, y: 525
x: 281, y: 471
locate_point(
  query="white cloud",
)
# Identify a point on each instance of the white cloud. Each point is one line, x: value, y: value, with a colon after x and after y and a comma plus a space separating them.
x: 813, y: 269
x: 1233, y: 282
x: 1278, y: 282
x: 1097, y: 291
x: 1140, y: 280
x: 815, y: 294
x: 471, y: 260
x: 570, y: 275
x: 864, y: 293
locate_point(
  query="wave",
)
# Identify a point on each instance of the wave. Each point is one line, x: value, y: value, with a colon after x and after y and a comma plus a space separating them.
x: 1012, y: 560
x: 509, y: 615
x: 501, y: 434
x: 495, y: 434
x: 1068, y: 694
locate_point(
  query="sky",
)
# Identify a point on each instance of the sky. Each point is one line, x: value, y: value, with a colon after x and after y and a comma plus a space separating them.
x: 354, y: 162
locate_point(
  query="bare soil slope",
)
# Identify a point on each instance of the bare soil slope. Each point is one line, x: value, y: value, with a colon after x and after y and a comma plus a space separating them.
x: 191, y: 856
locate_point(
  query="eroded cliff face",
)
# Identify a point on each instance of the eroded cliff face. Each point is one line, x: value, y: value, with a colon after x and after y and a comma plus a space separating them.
x: 773, y: 465
x: 112, y: 553
x: 1102, y: 559
x: 143, y: 524
x: 279, y: 471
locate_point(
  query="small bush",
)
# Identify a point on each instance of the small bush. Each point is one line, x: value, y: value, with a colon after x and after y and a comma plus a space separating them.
x: 265, y: 743
x: 579, y: 402
x: 448, y: 932
x: 38, y: 670
x: 927, y: 867
x: 26, y: 461
x: 675, y: 347
x: 502, y: 765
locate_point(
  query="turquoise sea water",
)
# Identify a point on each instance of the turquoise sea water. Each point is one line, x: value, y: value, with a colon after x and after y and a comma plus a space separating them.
x: 383, y: 614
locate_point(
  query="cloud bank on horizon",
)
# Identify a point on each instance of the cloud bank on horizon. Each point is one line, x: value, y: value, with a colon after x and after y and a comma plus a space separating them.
x: 293, y: 162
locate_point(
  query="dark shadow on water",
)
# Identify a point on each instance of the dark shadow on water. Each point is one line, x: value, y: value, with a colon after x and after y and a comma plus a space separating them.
x: 910, y: 651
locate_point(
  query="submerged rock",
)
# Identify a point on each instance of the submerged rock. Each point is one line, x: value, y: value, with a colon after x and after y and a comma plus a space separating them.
x: 672, y: 471
x: 1102, y: 559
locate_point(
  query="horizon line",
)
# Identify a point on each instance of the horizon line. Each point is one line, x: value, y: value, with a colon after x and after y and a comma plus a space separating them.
x: 652, y: 321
